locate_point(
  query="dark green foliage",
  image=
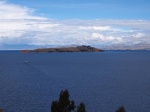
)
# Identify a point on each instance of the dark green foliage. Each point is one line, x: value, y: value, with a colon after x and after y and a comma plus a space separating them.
x: 64, y: 100
x: 65, y: 105
x: 121, y: 109
x: 54, y: 106
x: 81, y: 108
x: 72, y: 105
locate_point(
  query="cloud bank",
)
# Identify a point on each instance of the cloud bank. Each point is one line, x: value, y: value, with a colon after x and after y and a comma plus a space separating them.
x: 19, y: 25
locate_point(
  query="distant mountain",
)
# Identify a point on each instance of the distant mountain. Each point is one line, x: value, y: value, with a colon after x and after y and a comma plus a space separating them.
x: 82, y: 48
x: 140, y: 46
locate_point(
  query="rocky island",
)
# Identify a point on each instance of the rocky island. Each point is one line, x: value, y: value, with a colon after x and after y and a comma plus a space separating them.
x: 82, y: 48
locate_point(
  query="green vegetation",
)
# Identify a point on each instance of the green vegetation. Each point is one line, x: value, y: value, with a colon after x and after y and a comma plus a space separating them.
x: 81, y: 108
x: 121, y: 109
x: 65, y: 105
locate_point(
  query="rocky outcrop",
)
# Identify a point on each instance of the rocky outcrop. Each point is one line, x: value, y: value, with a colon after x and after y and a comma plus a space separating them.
x: 82, y: 48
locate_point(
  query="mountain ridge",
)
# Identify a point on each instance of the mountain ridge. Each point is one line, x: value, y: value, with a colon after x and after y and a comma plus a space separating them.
x: 82, y: 48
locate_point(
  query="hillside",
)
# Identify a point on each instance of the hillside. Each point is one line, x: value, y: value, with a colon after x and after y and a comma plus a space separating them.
x: 82, y: 48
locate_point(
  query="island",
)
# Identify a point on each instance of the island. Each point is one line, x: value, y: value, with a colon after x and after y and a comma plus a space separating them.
x: 82, y: 48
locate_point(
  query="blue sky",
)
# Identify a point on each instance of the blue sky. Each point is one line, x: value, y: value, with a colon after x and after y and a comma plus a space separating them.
x: 44, y: 23
x: 89, y: 9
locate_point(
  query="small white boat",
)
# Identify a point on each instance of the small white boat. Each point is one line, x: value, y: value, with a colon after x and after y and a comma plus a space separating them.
x: 26, y: 62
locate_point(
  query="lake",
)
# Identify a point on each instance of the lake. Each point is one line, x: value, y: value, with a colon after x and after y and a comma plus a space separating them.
x: 103, y: 81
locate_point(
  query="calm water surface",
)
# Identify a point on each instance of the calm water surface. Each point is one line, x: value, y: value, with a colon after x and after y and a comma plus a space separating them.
x: 103, y: 81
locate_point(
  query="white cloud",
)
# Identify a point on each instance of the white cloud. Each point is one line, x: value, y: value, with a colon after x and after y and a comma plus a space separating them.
x: 19, y: 26
x: 12, y: 11
x: 103, y: 38
x: 138, y: 35
x: 101, y: 28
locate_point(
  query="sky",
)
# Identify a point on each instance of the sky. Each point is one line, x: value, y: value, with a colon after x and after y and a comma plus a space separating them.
x: 27, y: 24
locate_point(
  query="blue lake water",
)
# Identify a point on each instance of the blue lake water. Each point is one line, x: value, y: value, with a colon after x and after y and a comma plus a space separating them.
x: 103, y: 81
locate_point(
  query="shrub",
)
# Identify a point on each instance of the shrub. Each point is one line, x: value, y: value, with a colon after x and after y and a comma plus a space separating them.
x: 65, y: 105
x: 121, y: 109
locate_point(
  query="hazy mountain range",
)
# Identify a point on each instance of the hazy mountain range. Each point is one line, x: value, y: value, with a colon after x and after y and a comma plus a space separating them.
x: 140, y: 46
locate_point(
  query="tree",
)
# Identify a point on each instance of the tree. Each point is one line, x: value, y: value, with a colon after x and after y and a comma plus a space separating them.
x: 54, y: 106
x: 65, y: 105
x: 72, y: 106
x: 121, y: 109
x: 63, y: 100
x: 81, y: 108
